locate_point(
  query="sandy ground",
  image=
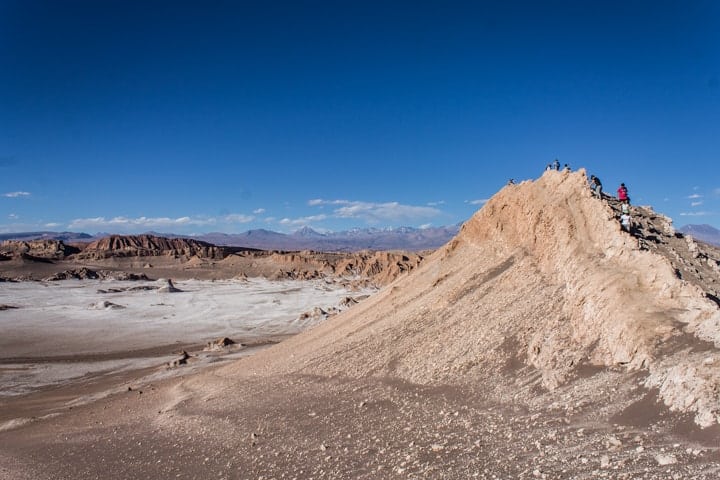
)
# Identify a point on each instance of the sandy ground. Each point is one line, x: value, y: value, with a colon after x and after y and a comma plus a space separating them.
x: 303, y: 427
x: 72, y: 342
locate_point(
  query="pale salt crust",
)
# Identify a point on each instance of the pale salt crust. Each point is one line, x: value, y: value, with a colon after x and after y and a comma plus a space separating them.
x: 64, y: 319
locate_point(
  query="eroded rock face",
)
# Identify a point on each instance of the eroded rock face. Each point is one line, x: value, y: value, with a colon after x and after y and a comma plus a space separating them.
x: 148, y: 246
x: 48, y: 249
x: 378, y: 268
x: 77, y: 274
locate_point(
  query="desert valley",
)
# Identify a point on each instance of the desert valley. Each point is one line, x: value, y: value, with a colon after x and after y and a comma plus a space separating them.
x: 542, y: 341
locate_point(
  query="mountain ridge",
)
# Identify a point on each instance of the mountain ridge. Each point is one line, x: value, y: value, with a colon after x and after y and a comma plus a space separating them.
x: 705, y: 233
x: 305, y: 238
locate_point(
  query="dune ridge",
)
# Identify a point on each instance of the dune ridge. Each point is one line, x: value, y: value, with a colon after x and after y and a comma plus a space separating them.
x: 542, y: 275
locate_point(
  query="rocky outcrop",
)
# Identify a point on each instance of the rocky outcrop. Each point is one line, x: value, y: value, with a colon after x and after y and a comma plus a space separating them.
x: 149, y: 246
x: 219, y: 344
x: 377, y: 268
x: 74, y: 274
x: 85, y: 273
x: 182, y: 359
x: 106, y: 305
x: 167, y: 287
x: 381, y: 267
x: 42, y: 249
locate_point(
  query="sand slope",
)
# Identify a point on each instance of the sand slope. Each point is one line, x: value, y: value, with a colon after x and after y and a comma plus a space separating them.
x: 541, y: 275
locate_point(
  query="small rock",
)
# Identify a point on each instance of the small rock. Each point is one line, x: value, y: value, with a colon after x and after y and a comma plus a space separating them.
x: 665, y: 459
x: 219, y: 344
x: 181, y: 360
x: 614, y: 441
x: 168, y: 287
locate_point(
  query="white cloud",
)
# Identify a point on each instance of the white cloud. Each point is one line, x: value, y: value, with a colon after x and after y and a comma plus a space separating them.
x: 480, y: 201
x: 694, y: 196
x: 319, y: 201
x: 53, y: 225
x: 435, y: 204
x: 390, y: 211
x: 237, y: 218
x: 129, y: 224
x: 259, y: 211
x: 695, y: 204
x: 16, y: 194
x: 13, y: 216
x: 270, y: 219
x: 302, y: 221
x: 373, y: 212
x: 425, y: 226
x: 695, y: 214
x: 125, y: 223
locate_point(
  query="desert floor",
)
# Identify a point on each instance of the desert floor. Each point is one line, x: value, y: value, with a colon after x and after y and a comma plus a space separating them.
x: 71, y: 342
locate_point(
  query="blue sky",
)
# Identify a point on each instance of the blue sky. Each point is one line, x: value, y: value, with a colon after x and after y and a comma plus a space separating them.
x: 189, y: 117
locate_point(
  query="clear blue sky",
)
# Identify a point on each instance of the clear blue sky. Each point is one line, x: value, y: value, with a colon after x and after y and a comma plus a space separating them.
x: 189, y: 117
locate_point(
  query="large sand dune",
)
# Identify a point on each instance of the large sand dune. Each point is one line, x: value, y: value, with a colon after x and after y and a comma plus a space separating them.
x: 543, y: 275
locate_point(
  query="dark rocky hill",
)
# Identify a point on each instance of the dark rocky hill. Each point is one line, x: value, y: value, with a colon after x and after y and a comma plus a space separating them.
x: 148, y: 246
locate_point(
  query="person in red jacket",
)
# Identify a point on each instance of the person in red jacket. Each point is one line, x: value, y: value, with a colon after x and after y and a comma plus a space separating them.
x: 623, y: 193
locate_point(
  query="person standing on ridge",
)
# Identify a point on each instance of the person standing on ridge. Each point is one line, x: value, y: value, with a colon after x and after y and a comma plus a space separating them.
x: 623, y: 193
x: 556, y: 164
x: 596, y: 186
x: 566, y: 168
x: 625, y: 222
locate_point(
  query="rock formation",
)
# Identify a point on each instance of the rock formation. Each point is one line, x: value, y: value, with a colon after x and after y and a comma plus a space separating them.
x: 219, y: 344
x: 167, y: 286
x: 48, y: 249
x: 148, y: 246
x: 106, y: 305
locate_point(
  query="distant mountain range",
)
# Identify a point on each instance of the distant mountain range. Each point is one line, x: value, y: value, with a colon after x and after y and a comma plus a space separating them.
x: 705, y: 233
x: 64, y: 236
x: 402, y: 238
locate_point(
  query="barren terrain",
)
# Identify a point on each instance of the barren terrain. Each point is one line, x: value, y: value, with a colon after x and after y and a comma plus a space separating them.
x: 542, y: 342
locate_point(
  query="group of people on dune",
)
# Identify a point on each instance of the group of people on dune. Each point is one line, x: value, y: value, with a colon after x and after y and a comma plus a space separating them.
x: 596, y: 187
x: 622, y: 197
